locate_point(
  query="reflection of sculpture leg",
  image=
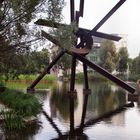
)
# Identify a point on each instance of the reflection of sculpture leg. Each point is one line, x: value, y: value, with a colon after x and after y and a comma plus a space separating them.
x: 73, y: 69
x: 71, y: 117
x: 84, y: 110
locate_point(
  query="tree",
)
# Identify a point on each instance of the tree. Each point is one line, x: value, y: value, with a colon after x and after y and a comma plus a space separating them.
x: 122, y: 60
x: 55, y: 8
x: 108, y: 55
x: 66, y: 38
x: 16, y: 36
x: 138, y: 64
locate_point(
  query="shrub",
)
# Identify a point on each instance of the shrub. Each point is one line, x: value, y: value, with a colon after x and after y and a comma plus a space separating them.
x: 24, y: 104
x: 21, y: 105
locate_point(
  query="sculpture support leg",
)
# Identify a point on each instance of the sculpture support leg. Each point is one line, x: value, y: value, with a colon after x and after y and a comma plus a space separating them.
x: 73, y: 69
x: 86, y: 86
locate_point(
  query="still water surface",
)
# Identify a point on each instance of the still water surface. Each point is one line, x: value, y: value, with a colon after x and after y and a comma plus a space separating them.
x: 66, y: 118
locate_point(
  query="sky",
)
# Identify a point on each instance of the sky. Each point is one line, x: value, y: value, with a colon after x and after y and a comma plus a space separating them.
x: 125, y: 20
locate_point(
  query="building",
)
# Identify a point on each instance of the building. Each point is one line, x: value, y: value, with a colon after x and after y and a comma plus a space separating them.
x: 94, y: 54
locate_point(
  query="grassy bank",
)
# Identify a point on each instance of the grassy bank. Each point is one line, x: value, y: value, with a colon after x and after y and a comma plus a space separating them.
x: 131, y: 77
x: 97, y: 77
x: 47, y: 77
x: 91, y: 76
x: 21, y: 105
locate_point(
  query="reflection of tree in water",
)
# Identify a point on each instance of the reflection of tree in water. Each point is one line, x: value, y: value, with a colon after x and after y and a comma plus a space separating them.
x: 103, y: 99
x: 75, y: 133
x: 41, y: 94
x: 60, y: 100
x: 26, y: 133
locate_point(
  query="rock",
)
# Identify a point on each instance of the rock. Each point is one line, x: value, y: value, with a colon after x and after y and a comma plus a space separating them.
x: 29, y: 119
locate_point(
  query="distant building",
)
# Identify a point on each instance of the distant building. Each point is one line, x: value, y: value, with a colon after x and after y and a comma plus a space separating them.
x: 94, y: 53
x: 93, y: 56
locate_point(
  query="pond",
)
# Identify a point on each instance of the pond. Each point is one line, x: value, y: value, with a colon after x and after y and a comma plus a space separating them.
x: 67, y: 118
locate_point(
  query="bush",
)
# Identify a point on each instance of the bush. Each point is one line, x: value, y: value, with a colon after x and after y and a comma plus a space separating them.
x: 91, y: 76
x: 23, y: 104
x: 2, y: 84
x: 134, y: 77
x: 131, y: 77
x: 12, y: 120
x: 2, y: 87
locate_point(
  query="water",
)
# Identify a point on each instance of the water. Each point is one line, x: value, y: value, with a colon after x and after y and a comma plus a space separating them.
x: 66, y: 118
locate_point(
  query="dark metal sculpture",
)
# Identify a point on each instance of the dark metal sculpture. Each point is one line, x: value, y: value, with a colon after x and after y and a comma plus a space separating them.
x: 83, y: 48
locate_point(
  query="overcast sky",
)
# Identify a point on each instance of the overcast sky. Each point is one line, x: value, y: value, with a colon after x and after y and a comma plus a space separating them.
x: 126, y: 19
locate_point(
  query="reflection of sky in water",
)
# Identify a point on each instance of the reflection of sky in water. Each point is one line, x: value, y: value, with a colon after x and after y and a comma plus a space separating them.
x: 128, y: 130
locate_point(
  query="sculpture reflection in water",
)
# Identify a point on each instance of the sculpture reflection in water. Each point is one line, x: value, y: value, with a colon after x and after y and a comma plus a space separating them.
x: 77, y: 132
x: 74, y: 133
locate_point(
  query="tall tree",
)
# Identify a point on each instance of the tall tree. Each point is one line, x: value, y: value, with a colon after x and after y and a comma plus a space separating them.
x: 16, y: 36
x: 66, y: 39
x: 138, y: 64
x: 122, y: 60
x: 108, y: 55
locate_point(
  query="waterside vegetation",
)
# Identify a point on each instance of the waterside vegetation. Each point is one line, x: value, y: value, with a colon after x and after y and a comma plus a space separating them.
x: 20, y: 105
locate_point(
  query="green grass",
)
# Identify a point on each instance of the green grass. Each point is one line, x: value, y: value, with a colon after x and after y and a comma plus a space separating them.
x: 131, y: 77
x: 21, y: 105
x: 48, y: 77
x: 91, y: 76
x: 25, y: 104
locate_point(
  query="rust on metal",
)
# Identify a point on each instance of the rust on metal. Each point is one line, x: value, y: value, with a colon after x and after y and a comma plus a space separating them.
x: 82, y: 51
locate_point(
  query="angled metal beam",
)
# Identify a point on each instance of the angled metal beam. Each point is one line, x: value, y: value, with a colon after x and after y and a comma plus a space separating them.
x: 98, y: 34
x: 110, y: 13
x: 81, y: 31
x: 46, y: 70
x: 49, y: 23
x: 107, y: 36
x: 103, y: 72
x: 50, y: 38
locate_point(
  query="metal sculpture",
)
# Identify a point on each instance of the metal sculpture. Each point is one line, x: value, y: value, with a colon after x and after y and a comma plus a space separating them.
x: 79, y: 51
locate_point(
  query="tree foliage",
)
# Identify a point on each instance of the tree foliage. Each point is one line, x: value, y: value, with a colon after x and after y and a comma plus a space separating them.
x: 27, y: 63
x: 136, y: 65
x: 55, y: 8
x: 16, y: 34
x: 66, y: 38
x: 122, y: 60
x: 108, y: 55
